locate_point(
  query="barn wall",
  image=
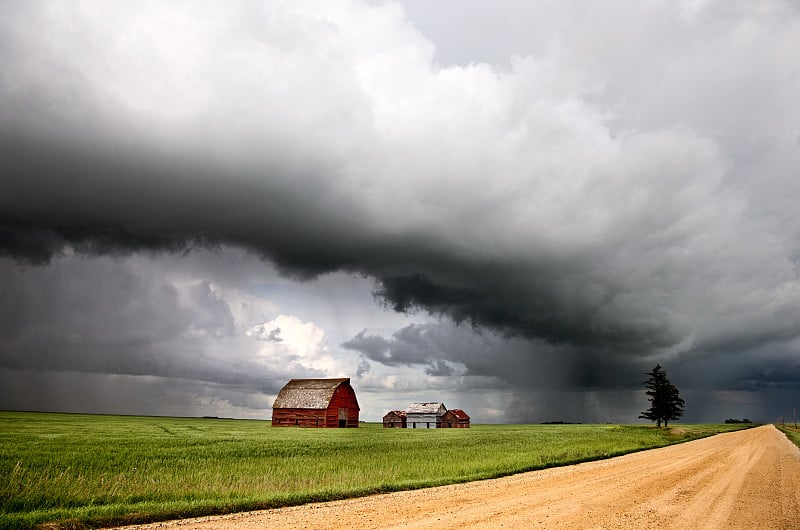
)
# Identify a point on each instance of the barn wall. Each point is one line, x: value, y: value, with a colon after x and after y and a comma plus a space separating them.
x: 298, y: 418
x: 422, y: 421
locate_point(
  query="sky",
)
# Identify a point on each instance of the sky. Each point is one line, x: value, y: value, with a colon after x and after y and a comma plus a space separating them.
x: 516, y: 209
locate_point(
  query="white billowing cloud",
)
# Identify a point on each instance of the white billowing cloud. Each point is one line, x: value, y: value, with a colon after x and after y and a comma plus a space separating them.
x: 291, y: 344
x: 247, y: 308
x: 228, y: 307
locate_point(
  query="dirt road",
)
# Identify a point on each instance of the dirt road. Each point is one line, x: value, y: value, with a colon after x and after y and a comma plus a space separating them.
x: 747, y: 479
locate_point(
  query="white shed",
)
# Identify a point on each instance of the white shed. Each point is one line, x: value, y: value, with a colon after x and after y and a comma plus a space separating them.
x: 427, y: 415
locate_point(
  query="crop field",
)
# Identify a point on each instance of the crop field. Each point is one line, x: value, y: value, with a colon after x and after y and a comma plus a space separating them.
x: 85, y: 471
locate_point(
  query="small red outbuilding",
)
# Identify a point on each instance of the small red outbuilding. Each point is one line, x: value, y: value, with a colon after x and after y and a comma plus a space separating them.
x: 316, y: 403
x: 456, y: 418
x: 395, y: 419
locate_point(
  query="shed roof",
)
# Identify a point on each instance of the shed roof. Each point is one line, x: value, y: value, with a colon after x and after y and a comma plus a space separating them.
x: 426, y: 407
x: 307, y: 393
x: 458, y: 413
x: 400, y: 413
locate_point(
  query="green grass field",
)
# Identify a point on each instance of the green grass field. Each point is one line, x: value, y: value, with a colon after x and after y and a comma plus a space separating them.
x: 84, y: 471
x: 791, y: 432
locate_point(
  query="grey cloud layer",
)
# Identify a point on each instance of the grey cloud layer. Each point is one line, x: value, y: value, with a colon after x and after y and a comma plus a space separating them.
x: 628, y: 197
x: 507, y: 363
x: 106, y: 316
x: 548, y: 382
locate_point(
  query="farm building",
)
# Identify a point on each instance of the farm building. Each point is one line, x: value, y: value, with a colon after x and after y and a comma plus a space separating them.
x: 316, y: 403
x: 426, y: 415
x: 395, y: 419
x: 455, y: 418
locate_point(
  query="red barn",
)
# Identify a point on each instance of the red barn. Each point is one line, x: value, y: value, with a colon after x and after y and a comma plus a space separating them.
x: 316, y: 403
x: 456, y: 418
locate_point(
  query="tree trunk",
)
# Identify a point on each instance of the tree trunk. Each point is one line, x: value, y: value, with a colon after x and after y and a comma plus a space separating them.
x: 658, y: 423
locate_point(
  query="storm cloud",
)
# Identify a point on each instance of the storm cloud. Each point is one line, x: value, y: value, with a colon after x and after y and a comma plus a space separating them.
x: 595, y: 186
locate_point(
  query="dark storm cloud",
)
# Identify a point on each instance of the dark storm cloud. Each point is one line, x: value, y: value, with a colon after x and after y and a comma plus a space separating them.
x: 124, y: 394
x: 117, y: 202
x: 372, y: 346
x: 439, y: 369
x: 409, y: 346
x: 112, y: 203
x: 509, y: 362
x: 604, y: 194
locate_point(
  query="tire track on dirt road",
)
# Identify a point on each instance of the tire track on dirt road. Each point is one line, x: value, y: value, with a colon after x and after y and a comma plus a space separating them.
x: 745, y: 479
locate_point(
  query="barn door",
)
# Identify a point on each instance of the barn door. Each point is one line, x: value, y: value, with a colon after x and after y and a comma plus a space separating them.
x: 342, y: 417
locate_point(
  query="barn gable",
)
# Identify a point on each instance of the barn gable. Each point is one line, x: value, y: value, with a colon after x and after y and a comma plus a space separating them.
x: 427, y: 407
x: 316, y: 403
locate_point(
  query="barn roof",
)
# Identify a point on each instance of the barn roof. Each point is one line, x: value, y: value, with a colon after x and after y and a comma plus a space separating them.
x: 400, y: 413
x: 458, y: 413
x: 307, y: 393
x: 427, y: 407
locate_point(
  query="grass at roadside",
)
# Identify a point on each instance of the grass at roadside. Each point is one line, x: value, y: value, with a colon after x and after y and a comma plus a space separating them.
x: 791, y: 432
x: 84, y: 471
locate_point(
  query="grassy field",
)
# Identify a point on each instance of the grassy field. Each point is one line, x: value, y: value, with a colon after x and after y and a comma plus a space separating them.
x: 791, y: 432
x: 84, y: 471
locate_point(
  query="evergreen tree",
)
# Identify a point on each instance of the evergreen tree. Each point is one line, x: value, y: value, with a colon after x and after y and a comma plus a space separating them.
x: 665, y: 401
